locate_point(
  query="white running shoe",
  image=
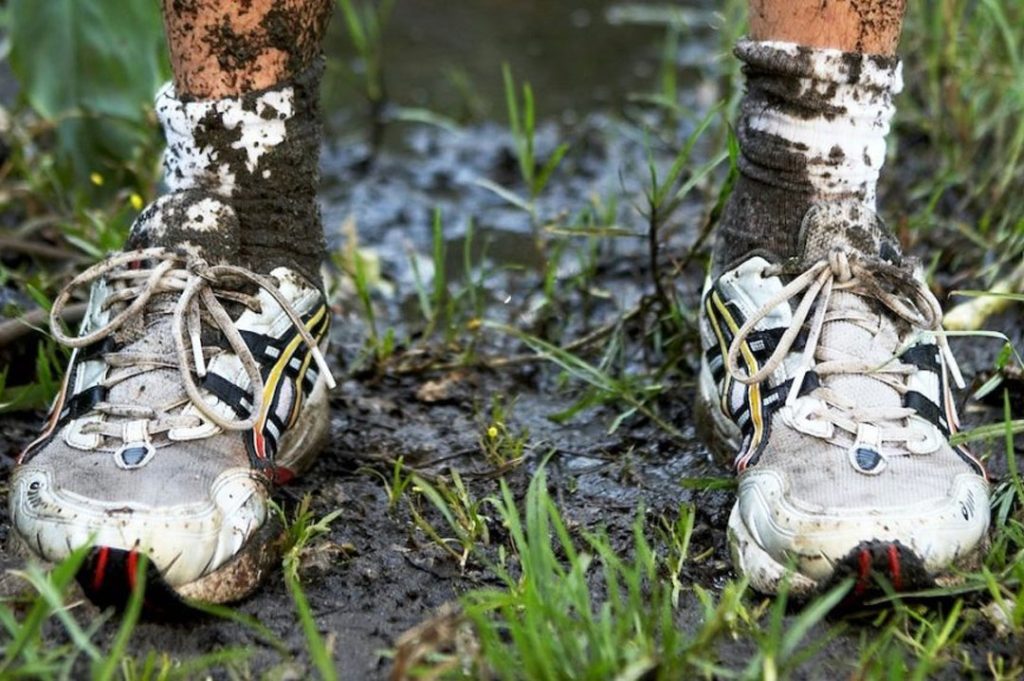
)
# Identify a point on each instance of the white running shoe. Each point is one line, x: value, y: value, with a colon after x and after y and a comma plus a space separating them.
x: 193, y: 386
x: 827, y: 377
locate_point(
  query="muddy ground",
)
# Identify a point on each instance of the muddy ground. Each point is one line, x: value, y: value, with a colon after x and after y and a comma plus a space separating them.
x: 374, y: 575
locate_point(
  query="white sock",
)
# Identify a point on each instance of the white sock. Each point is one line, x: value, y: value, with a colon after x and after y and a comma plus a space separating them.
x: 827, y: 107
x: 202, y: 134
x: 812, y: 129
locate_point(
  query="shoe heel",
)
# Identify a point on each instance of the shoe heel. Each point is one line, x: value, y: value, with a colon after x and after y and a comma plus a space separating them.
x: 304, y: 441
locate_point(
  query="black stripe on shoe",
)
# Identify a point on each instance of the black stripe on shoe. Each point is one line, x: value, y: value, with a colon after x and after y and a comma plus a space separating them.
x: 924, y: 356
x: 927, y: 409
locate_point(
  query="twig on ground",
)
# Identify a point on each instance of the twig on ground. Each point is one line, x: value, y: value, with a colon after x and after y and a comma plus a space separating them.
x: 41, y: 250
x: 13, y: 329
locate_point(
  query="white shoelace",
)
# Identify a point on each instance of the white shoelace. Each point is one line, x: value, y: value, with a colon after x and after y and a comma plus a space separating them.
x: 199, y: 286
x: 872, y: 280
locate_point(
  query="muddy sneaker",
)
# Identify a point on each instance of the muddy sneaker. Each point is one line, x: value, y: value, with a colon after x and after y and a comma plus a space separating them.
x: 192, y: 387
x: 197, y: 379
x: 827, y: 377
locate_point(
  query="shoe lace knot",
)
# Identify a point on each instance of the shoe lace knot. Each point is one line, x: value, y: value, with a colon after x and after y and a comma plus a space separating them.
x: 191, y: 290
x: 899, y: 293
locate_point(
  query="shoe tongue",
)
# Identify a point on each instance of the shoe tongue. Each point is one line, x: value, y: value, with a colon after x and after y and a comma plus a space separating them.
x: 847, y: 226
x: 157, y: 387
x: 874, y: 346
x: 193, y: 220
x: 852, y: 228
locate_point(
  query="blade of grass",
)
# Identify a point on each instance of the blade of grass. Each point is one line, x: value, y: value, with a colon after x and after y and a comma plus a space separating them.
x: 314, y: 641
x: 105, y: 669
x: 31, y: 626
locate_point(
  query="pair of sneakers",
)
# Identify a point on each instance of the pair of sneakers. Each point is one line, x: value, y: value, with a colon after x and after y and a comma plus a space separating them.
x: 196, y: 384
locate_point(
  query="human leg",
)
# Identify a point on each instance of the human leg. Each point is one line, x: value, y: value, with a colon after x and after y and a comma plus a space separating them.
x: 242, y: 119
x: 225, y: 49
x: 825, y: 372
x: 865, y: 27
x: 813, y: 123
x: 197, y: 379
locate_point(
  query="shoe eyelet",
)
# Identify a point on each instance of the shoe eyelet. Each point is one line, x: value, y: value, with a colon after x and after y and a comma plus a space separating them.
x: 867, y: 460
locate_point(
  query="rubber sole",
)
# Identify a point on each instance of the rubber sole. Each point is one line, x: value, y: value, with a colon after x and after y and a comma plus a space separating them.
x: 108, y: 576
x: 877, y: 568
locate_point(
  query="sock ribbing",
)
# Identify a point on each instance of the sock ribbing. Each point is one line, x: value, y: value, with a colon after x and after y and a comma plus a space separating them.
x: 812, y: 128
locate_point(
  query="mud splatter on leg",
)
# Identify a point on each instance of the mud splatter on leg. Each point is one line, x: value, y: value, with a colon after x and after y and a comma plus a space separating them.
x: 222, y: 48
x: 867, y: 26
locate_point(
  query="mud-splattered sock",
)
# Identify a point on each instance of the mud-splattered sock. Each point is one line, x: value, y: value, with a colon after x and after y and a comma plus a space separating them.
x: 242, y: 173
x: 812, y: 128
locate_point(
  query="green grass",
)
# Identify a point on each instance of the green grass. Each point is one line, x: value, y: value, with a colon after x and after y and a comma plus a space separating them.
x: 365, y: 23
x: 462, y: 512
x: 522, y: 121
x: 546, y: 623
x: 965, y: 91
x: 565, y: 602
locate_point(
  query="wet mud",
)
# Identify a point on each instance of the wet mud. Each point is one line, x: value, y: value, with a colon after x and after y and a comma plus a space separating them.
x: 375, y: 575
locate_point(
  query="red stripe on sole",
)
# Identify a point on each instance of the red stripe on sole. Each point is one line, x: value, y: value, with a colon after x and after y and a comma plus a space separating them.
x: 281, y: 475
x: 863, y: 571
x: 894, y: 567
x: 133, y: 565
x: 101, y: 567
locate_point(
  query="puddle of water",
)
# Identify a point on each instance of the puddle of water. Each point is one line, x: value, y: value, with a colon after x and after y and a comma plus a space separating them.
x: 585, y: 60
x: 580, y: 56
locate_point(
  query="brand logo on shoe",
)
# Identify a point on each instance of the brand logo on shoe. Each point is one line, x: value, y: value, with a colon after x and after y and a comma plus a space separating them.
x: 134, y: 455
x: 867, y: 460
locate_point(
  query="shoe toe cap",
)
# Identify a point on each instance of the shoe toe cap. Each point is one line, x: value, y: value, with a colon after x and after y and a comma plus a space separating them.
x: 185, y: 535
x: 939, y: 529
